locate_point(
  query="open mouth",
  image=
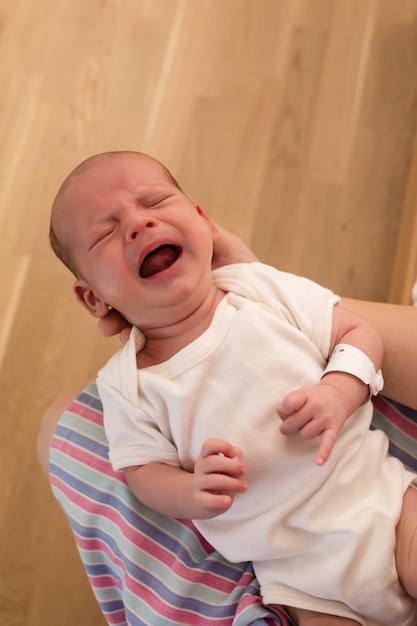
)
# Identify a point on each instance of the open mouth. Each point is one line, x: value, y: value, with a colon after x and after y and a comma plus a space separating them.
x: 159, y: 260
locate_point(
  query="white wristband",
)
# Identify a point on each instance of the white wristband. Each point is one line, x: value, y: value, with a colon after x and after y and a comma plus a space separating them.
x: 347, y: 358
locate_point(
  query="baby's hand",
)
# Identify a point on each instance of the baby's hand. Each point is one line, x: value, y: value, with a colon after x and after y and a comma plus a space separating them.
x: 314, y: 412
x: 217, y: 477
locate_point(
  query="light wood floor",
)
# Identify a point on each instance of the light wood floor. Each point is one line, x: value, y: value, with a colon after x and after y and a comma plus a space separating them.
x: 290, y: 121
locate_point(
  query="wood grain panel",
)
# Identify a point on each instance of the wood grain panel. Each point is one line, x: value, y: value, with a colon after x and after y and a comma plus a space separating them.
x: 291, y: 121
x: 404, y: 274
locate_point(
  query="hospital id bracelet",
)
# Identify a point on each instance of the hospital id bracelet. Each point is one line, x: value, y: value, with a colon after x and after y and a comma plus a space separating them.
x: 347, y: 358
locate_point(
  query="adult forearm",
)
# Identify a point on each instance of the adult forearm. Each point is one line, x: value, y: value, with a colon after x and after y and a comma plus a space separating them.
x: 397, y: 325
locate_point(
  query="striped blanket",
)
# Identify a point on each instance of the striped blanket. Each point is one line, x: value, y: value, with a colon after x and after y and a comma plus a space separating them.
x: 144, y: 568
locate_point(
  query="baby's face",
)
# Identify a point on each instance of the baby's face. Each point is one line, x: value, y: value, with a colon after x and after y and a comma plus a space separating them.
x: 142, y: 246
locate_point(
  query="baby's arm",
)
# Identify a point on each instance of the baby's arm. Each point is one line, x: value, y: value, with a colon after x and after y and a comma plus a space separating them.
x: 322, y: 410
x: 205, y: 493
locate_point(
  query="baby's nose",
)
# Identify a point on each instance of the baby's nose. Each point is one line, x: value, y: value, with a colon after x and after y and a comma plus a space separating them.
x: 138, y: 224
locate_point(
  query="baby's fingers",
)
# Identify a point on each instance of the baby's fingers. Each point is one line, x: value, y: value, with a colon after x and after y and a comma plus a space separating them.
x: 214, y: 504
x: 327, y: 441
x: 216, y: 493
x: 215, y: 483
x: 220, y: 464
x: 220, y: 446
x: 291, y: 403
x: 298, y: 419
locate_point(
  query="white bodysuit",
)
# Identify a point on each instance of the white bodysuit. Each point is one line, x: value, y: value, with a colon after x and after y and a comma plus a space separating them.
x: 320, y: 538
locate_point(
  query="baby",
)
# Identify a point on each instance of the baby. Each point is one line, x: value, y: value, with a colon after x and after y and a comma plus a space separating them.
x: 229, y: 404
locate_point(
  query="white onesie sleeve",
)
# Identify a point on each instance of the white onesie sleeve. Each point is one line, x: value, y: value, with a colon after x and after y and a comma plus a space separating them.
x: 302, y: 302
x: 133, y: 435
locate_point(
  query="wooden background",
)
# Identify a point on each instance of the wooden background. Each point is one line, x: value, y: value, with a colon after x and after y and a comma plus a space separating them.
x: 290, y: 121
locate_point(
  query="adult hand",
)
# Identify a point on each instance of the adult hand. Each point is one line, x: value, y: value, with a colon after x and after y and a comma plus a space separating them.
x: 229, y: 248
x: 114, y: 324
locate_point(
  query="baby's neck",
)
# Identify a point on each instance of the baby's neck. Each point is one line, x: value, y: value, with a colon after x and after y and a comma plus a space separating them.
x: 164, y: 344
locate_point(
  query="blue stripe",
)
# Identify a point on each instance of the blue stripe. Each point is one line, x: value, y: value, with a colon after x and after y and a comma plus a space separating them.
x: 411, y: 414
x: 221, y: 605
x: 66, y: 433
x: 150, y: 524
x: 111, y: 607
x: 142, y: 566
x: 407, y: 459
x: 90, y: 400
x: 394, y: 447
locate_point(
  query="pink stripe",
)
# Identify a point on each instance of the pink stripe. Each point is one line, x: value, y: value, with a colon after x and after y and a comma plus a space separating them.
x: 141, y: 591
x: 86, y: 457
x: 394, y: 416
x: 248, y: 601
x: 155, y: 551
x: 202, y: 540
x: 119, y: 617
x: 174, y: 613
x: 139, y: 540
x: 86, y: 412
x: 104, y: 582
x: 131, y: 533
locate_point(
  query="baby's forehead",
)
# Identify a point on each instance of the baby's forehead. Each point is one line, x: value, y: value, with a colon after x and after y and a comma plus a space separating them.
x: 114, y: 173
x: 102, y: 180
x: 98, y: 186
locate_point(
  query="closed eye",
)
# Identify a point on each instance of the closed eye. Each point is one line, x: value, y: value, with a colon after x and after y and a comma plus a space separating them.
x: 155, y: 201
x: 101, y: 237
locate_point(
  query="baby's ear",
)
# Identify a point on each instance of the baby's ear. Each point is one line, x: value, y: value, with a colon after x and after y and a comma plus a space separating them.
x: 210, y: 223
x: 86, y: 296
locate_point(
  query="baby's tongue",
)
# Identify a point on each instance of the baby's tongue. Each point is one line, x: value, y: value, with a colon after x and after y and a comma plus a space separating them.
x: 158, y: 260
